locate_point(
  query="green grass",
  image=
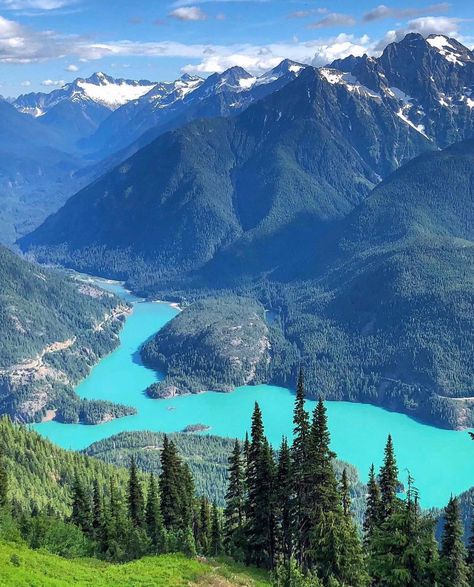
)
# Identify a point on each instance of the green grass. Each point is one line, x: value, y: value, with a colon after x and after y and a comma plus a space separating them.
x: 22, y: 567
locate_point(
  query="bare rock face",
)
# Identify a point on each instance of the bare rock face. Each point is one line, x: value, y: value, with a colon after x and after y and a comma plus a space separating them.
x: 215, y: 344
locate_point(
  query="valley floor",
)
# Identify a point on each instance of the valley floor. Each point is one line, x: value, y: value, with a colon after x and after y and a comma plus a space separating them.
x: 22, y: 567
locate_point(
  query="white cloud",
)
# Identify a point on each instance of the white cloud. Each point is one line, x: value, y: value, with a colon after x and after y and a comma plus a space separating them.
x: 36, y: 4
x: 20, y: 44
x: 26, y: 83
x: 382, y: 11
x: 258, y: 59
x: 192, y: 13
x: 425, y: 25
x: 72, y: 68
x: 334, y: 19
x: 53, y: 83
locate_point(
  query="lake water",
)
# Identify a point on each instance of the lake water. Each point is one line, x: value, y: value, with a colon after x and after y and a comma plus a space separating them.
x: 440, y: 460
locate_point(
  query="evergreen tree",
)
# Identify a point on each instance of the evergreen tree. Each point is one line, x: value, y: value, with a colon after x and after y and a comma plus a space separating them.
x: 81, y: 506
x: 372, y: 512
x: 301, y: 475
x: 215, y: 547
x: 136, y: 504
x: 3, y: 483
x: 187, y: 542
x: 453, y: 552
x: 204, y: 526
x: 284, y: 502
x: 345, y: 495
x: 97, y: 512
x: 339, y: 558
x: 470, y: 554
x: 323, y: 495
x: 234, y: 510
x: 259, y: 505
x: 116, y: 525
x: 169, y: 485
x: 403, y: 550
x: 153, y: 519
x: 186, y: 496
x: 388, y: 481
x: 288, y: 574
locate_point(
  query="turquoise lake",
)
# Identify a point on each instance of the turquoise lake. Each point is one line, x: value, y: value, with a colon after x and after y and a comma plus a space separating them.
x: 440, y: 460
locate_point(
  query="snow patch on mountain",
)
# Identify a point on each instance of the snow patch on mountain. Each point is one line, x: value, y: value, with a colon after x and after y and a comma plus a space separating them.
x: 334, y: 76
x: 113, y: 93
x: 446, y: 48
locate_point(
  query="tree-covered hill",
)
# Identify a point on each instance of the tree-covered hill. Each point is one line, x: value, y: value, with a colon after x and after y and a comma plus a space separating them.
x: 217, y: 343
x: 388, y: 315
x: 52, y: 330
x: 206, y: 456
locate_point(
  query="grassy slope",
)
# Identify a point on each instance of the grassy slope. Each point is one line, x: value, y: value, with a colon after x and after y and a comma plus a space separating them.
x: 40, y: 569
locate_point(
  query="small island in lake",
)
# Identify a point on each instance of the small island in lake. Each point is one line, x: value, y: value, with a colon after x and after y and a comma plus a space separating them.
x: 190, y: 428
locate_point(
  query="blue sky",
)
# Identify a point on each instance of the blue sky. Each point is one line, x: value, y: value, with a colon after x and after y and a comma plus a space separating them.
x: 44, y: 43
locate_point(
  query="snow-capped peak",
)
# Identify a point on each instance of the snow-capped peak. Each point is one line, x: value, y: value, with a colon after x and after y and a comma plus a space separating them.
x: 111, y: 92
x: 286, y: 67
x: 450, y: 49
x: 98, y: 88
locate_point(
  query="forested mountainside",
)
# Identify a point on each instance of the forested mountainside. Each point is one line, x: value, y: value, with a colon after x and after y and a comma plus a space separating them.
x: 36, y: 170
x: 389, y: 318
x: 279, y: 203
x: 206, y: 456
x: 56, y: 143
x: 266, y: 180
x: 52, y: 330
x: 41, y: 474
x: 217, y: 343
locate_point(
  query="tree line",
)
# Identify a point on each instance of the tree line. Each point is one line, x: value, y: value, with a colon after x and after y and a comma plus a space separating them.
x: 289, y: 513
x: 152, y: 516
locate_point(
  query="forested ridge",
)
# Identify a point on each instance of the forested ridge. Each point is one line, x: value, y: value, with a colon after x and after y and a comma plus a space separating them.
x: 52, y: 331
x: 207, y: 457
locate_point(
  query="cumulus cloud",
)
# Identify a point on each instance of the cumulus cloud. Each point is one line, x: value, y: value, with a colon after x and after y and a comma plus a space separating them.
x: 333, y: 19
x: 20, y: 44
x: 425, y: 25
x: 53, y: 83
x: 72, y: 68
x: 258, y: 59
x: 382, y: 11
x: 192, y: 13
x: 26, y: 83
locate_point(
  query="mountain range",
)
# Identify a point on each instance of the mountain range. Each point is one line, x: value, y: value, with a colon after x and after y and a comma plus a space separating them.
x: 333, y: 197
x: 91, y: 125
